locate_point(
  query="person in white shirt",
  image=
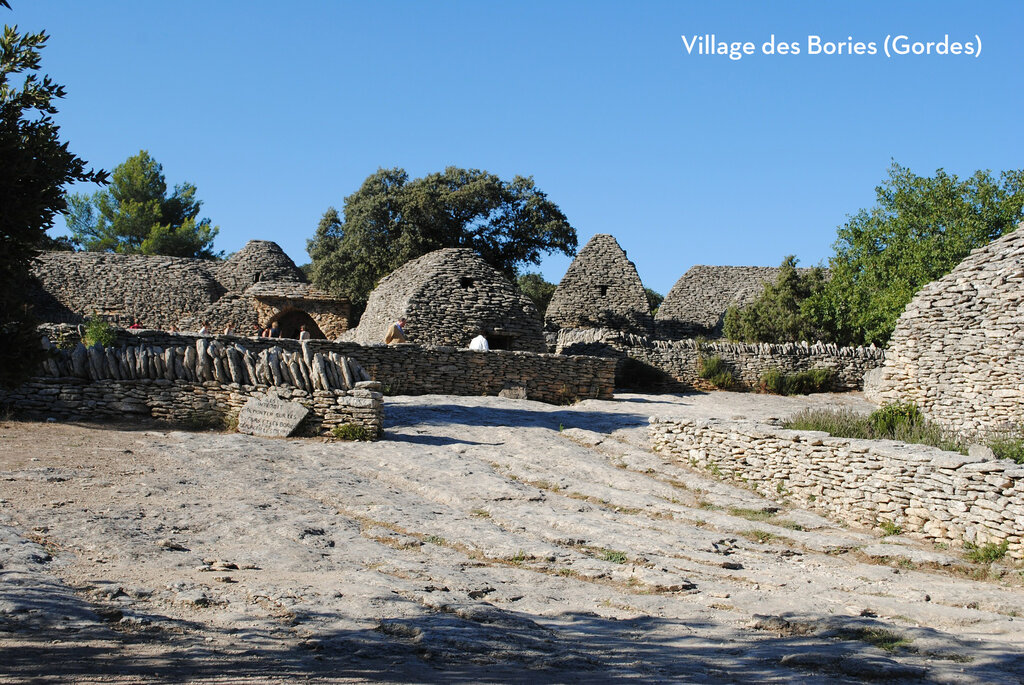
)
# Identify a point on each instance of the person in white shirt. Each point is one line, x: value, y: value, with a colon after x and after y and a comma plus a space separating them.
x: 303, y: 333
x: 479, y: 343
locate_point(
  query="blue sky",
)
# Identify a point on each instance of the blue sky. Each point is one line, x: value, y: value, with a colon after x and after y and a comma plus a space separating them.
x: 277, y: 111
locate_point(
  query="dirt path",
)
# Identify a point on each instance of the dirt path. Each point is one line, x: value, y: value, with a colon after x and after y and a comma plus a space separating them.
x: 483, y: 540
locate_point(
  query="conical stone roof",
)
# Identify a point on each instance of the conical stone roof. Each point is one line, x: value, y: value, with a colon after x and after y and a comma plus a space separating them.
x: 601, y: 289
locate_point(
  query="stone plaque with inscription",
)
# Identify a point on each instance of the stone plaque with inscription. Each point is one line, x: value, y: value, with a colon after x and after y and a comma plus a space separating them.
x: 271, y: 417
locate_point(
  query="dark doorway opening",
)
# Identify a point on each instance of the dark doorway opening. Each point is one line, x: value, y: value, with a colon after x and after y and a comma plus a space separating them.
x: 291, y: 321
x: 500, y: 342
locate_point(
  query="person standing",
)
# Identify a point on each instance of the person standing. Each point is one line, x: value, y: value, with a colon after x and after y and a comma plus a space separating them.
x: 396, y: 332
x: 303, y: 333
x: 479, y: 343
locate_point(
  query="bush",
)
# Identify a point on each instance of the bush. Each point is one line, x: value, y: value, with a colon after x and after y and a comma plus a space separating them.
x: 891, y: 419
x: 350, y: 431
x: 986, y: 554
x: 99, y: 331
x: 1008, y: 446
x: 776, y: 382
x: 715, y: 371
x: 778, y: 314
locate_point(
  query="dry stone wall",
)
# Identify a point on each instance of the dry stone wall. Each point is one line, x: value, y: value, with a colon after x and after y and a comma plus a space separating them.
x: 421, y: 370
x: 674, y: 366
x: 446, y: 296
x: 601, y: 289
x: 942, y: 496
x: 958, y: 349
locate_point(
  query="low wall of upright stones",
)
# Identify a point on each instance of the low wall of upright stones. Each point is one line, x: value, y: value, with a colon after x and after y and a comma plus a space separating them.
x: 674, y: 366
x: 409, y: 369
x: 941, y: 496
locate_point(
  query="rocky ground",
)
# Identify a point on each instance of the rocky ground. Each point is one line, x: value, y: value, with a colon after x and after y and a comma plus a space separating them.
x: 483, y: 540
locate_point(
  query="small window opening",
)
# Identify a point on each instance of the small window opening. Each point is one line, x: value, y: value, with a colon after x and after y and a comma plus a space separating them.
x: 256, y: 277
x: 466, y: 282
x: 603, y: 289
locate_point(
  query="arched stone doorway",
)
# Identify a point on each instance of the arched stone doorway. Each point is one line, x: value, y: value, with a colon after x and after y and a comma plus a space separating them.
x: 290, y: 320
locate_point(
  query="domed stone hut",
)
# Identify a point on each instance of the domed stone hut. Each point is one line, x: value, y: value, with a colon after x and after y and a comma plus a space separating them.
x: 601, y: 289
x: 696, y: 304
x: 445, y: 297
x: 958, y: 348
x: 258, y: 285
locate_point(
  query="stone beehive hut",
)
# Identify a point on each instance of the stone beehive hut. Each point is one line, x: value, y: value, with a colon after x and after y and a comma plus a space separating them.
x: 446, y: 296
x: 601, y: 289
x: 958, y: 349
x: 257, y: 285
x: 696, y: 304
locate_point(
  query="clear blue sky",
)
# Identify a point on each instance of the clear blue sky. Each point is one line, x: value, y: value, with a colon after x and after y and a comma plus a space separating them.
x: 277, y: 110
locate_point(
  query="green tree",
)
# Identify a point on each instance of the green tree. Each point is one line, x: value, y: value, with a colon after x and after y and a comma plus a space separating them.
x: 654, y: 300
x: 537, y: 289
x: 781, y: 311
x: 920, y: 228
x: 34, y: 168
x: 135, y: 215
x: 391, y: 220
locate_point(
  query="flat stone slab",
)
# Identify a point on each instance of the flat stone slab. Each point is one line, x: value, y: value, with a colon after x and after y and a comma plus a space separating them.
x: 269, y: 416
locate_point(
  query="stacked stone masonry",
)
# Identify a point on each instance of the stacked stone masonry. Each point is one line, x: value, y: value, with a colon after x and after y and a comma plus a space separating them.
x: 674, y: 366
x: 256, y: 286
x: 189, y: 379
x: 413, y: 369
x: 696, y: 304
x: 958, y: 349
x: 446, y: 296
x: 601, y: 289
x: 930, y: 494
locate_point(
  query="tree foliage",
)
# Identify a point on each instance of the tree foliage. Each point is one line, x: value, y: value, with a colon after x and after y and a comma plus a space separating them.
x: 136, y: 216
x: 392, y: 219
x: 919, y: 230
x: 654, y: 300
x: 34, y: 168
x: 537, y: 289
x: 781, y: 312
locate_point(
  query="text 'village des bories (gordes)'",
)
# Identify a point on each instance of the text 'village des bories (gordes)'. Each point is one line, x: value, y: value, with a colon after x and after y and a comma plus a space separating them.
x: 899, y: 45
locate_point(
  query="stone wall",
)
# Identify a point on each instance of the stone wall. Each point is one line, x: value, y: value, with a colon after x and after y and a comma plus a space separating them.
x: 190, y: 403
x: 421, y: 370
x: 446, y: 296
x: 958, y: 349
x: 941, y: 496
x: 674, y: 366
x: 601, y: 289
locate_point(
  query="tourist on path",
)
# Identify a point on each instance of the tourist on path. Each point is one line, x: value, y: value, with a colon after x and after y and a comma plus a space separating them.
x: 303, y: 333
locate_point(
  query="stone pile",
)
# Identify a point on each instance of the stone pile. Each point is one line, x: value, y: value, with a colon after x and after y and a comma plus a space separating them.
x: 958, y: 349
x: 601, y: 289
x: 942, y: 496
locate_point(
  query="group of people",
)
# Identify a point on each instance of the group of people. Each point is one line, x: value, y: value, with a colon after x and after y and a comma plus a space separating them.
x: 396, y: 334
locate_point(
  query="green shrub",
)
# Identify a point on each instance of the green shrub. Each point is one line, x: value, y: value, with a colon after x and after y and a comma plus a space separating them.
x: 891, y: 419
x: 716, y: 372
x: 99, y: 331
x: 987, y: 553
x: 775, y: 382
x: 350, y: 431
x: 1008, y: 446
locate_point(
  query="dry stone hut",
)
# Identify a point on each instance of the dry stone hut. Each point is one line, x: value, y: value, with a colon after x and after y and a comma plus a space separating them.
x: 601, y: 289
x: 446, y: 296
x: 258, y: 284
x: 696, y: 304
x: 958, y: 348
